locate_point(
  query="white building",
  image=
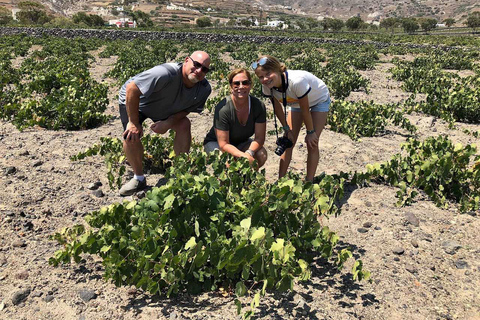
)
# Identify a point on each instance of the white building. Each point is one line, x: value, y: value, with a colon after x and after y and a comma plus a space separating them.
x: 275, y: 23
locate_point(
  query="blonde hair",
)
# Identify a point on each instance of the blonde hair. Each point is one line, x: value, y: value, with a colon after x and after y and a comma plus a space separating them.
x: 233, y: 73
x: 272, y: 64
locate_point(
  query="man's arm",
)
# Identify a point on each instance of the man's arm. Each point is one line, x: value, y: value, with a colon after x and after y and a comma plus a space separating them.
x: 134, y: 130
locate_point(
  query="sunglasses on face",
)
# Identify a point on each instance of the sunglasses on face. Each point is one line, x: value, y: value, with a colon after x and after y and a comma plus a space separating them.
x: 259, y: 63
x: 198, y: 65
x: 244, y: 82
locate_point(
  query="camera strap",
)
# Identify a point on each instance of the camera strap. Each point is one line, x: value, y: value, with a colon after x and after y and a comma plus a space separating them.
x: 284, y: 98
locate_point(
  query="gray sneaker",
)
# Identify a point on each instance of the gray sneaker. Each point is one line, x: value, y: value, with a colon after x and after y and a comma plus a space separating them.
x: 133, y: 186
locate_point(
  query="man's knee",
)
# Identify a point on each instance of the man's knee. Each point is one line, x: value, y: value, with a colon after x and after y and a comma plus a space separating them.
x: 261, y: 156
x: 183, y: 126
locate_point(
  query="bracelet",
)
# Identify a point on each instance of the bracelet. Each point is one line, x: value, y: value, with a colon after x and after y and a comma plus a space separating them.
x: 286, y: 128
x: 250, y: 152
x: 310, y: 131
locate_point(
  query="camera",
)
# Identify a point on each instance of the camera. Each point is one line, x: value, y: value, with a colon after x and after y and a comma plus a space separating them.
x: 283, y: 143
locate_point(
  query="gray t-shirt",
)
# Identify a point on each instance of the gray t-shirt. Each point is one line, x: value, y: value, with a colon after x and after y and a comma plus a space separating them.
x: 164, y: 94
x: 226, y: 120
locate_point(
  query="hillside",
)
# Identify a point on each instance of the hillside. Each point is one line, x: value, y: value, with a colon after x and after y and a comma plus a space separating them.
x: 187, y: 11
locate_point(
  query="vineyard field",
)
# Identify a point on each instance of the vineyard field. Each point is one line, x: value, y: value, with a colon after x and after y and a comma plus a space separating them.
x: 419, y: 241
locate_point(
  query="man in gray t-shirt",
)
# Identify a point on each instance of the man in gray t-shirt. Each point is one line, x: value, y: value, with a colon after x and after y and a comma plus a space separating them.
x: 166, y: 94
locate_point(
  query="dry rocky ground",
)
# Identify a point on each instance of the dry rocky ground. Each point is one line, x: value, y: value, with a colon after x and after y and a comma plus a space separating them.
x: 424, y: 260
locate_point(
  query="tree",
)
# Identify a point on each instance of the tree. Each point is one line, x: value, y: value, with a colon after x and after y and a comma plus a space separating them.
x: 143, y: 19
x: 473, y: 20
x: 32, y: 13
x: 5, y: 16
x: 300, y: 24
x: 410, y: 25
x: 216, y: 23
x: 428, y: 24
x: 390, y: 23
x: 246, y: 22
x: 333, y: 24
x: 312, y: 23
x: 354, y: 23
x: 96, y: 20
x: 449, y: 22
x: 204, y: 22
x: 60, y: 22
x: 231, y: 23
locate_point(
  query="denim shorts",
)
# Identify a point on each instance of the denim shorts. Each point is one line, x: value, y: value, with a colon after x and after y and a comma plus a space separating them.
x: 321, y: 107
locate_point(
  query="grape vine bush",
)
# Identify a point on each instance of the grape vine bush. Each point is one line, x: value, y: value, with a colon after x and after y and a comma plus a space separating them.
x: 212, y: 226
x: 56, y: 92
x: 365, y: 119
x: 157, y: 156
x: 443, y: 170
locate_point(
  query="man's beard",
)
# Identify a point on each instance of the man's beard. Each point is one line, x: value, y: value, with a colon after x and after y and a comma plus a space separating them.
x: 193, y: 78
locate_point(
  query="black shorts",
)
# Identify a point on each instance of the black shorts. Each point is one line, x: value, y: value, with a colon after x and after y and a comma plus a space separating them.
x: 124, y: 116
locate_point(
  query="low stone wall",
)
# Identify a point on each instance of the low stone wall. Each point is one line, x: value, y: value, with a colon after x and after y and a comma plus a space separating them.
x: 205, y: 37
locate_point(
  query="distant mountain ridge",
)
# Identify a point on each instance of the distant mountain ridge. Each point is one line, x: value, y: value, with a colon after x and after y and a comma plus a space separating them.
x: 379, y: 9
x: 369, y: 10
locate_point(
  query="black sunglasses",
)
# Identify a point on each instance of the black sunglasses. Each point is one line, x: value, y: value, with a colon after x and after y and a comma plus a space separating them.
x: 259, y: 63
x: 244, y: 82
x: 197, y: 65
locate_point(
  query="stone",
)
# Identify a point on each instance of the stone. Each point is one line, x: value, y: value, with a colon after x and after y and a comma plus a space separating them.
x: 367, y: 225
x: 22, y: 275
x: 362, y: 230
x: 461, y: 264
x: 92, y: 186
x: 451, y: 246
x: 411, y: 269
x: 378, y: 228
x: 20, y: 296
x: 19, y: 243
x: 10, y: 170
x: 48, y: 298
x: 396, y: 259
x: 398, y: 251
x: 412, y: 219
x: 414, y: 243
x: 98, y: 193
x: 37, y: 163
x: 87, y: 295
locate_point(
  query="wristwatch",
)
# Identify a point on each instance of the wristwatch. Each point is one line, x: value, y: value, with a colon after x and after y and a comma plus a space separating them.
x: 310, y: 131
x: 250, y: 152
x: 286, y: 128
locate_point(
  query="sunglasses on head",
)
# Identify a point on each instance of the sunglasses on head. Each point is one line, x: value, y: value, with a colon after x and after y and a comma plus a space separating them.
x: 259, y: 63
x: 244, y: 82
x: 198, y: 65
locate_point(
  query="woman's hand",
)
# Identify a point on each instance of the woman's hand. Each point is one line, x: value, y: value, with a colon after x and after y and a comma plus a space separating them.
x: 311, y: 140
x: 248, y: 157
